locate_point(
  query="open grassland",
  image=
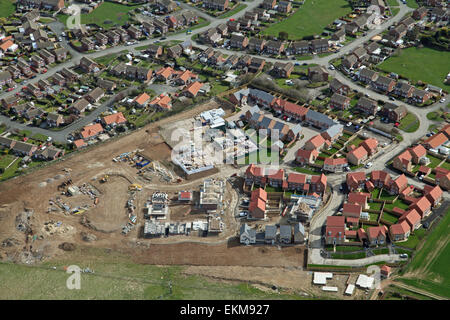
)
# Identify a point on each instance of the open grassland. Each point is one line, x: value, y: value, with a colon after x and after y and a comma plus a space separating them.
x: 310, y: 19
x: 429, y: 269
x: 429, y: 65
x: 7, y: 8
x: 116, y: 277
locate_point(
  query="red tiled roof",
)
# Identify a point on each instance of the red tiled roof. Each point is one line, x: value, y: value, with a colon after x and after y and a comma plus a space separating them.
x: 165, y: 72
x: 335, y: 161
x: 259, y: 194
x: 162, y: 101
x: 351, y: 208
x: 419, y: 151
x: 357, y: 198
x: 92, y: 130
x: 319, y: 179
x: 374, y: 232
x: 194, y: 87
x: 317, y: 141
x: 362, y: 234
x: 302, y: 153
x: 278, y: 175
x: 423, y: 204
x: 358, y: 153
x: 142, y: 98
x: 79, y: 143
x: 336, y: 221
x: 296, y: 178
x: 5, y: 45
x: 401, y: 182
x: 399, y: 228
x: 352, y: 220
x: 254, y: 171
x: 434, y: 194
x: 436, y: 140
x: 369, y: 144
x: 411, y: 216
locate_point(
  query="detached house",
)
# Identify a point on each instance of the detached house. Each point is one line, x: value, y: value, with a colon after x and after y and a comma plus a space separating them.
x: 399, y: 231
x: 377, y: 235
x: 306, y: 156
x: 357, y: 156
x: 282, y: 70
x: 335, y: 230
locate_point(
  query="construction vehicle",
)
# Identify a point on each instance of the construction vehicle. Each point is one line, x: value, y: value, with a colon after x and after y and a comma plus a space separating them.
x: 104, y: 179
x: 135, y: 187
x: 142, y: 164
x: 64, y: 184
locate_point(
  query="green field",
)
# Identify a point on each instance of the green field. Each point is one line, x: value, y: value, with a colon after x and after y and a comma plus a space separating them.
x: 429, y: 269
x: 7, y: 8
x: 238, y: 8
x: 116, y: 277
x: 310, y: 19
x: 428, y: 65
x: 107, y: 11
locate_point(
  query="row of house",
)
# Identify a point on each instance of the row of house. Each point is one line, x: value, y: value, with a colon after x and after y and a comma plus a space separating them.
x: 287, y: 234
x: 388, y: 85
x: 24, y: 149
x: 94, y: 130
x: 115, y: 36
x: 409, y: 220
x: 278, y: 178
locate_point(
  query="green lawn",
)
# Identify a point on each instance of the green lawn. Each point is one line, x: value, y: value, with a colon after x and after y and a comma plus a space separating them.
x: 117, y: 277
x: 432, y: 261
x: 398, y: 203
x: 433, y: 115
x: 7, y: 8
x: 412, y: 4
x: 238, y: 8
x: 386, y: 196
x: 107, y: 11
x: 428, y: 65
x: 375, y: 205
x: 310, y: 19
x: 389, y: 218
x: 11, y: 171
x: 434, y: 161
x: 409, y: 123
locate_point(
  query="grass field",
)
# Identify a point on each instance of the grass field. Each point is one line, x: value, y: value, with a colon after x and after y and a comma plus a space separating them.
x: 428, y: 65
x: 7, y: 8
x: 430, y: 263
x: 116, y: 277
x: 409, y: 123
x: 238, y: 8
x: 107, y: 11
x: 310, y: 19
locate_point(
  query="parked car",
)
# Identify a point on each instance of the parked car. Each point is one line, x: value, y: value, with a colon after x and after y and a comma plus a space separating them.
x: 368, y: 165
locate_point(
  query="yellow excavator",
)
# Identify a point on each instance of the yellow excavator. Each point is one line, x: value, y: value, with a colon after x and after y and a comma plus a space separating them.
x: 135, y: 187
